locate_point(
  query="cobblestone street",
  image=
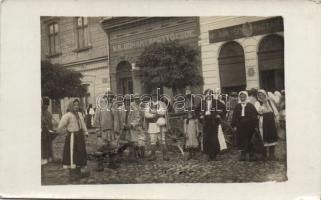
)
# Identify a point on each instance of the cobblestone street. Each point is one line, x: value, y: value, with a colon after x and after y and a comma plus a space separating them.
x: 177, y: 170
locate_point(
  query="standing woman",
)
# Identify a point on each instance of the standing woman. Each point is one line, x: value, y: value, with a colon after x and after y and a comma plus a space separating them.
x: 74, y: 154
x: 245, y: 123
x: 268, y: 123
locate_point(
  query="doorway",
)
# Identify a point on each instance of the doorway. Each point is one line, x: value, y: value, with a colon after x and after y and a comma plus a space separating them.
x: 271, y: 63
x: 232, y: 67
x: 124, y: 78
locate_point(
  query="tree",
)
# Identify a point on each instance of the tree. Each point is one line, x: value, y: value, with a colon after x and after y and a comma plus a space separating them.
x: 58, y: 82
x: 170, y: 64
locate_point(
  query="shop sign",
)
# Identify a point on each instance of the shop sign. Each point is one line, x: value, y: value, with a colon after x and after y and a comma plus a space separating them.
x: 248, y: 29
x: 146, y: 42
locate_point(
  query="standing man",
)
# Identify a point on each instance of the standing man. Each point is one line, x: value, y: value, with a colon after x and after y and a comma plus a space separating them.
x: 156, y: 114
x: 104, y: 123
x: 131, y: 125
x: 211, y: 111
x: 46, y: 133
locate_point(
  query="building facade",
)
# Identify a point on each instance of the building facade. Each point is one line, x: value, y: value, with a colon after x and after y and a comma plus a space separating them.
x: 242, y: 52
x: 236, y: 52
x: 128, y: 37
x: 79, y: 44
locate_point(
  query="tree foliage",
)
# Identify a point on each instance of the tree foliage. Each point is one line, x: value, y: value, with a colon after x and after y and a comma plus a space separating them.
x: 170, y: 64
x: 58, y: 82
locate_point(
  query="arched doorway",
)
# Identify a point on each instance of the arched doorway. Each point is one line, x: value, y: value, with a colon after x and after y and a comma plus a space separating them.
x: 232, y: 67
x: 124, y: 78
x: 271, y: 63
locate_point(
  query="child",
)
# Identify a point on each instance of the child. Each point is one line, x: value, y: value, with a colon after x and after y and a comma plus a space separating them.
x: 191, y: 133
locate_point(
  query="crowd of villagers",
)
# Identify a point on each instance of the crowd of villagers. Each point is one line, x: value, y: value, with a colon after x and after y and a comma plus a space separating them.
x: 256, y: 118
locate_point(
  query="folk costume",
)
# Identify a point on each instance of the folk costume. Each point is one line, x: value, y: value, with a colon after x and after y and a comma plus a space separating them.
x: 156, y: 117
x: 268, y: 122
x: 191, y: 131
x: 130, y: 124
x: 106, y: 138
x: 246, y: 123
x: 74, y: 153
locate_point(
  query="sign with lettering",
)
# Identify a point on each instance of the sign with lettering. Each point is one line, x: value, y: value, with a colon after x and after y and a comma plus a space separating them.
x: 146, y: 42
x: 248, y: 29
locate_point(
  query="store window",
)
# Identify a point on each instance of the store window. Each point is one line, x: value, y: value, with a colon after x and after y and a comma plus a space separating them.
x: 271, y: 63
x: 83, y: 39
x: 53, y: 30
x: 232, y: 67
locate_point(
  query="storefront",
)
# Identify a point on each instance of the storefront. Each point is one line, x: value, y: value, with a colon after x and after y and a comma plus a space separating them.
x: 128, y: 37
x: 242, y: 52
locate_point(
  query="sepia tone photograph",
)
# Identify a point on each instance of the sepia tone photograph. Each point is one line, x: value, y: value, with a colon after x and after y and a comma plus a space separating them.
x: 132, y: 100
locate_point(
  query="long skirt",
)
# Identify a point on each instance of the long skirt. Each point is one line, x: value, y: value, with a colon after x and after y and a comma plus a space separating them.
x: 210, y: 137
x: 46, y: 145
x: 74, y: 154
x: 268, y: 128
x: 245, y: 130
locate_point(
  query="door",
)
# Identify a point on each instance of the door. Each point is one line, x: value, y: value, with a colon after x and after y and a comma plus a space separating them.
x: 124, y: 78
x: 271, y: 63
x: 232, y: 67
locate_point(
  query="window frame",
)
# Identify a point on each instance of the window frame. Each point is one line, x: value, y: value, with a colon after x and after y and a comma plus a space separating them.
x: 54, y: 35
x: 83, y: 42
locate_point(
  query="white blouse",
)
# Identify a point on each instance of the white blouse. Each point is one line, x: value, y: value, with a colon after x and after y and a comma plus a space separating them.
x: 69, y: 122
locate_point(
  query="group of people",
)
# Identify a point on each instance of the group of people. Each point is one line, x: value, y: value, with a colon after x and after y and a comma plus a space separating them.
x: 126, y: 125
x: 258, y: 120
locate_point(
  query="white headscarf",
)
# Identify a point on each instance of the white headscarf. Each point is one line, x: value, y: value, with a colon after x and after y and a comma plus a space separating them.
x: 246, y: 94
x: 268, y: 100
x: 263, y: 92
x: 243, y: 103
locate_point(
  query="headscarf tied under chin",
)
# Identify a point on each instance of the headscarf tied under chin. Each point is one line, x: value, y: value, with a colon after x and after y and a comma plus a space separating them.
x: 70, y: 107
x: 265, y: 98
x: 243, y: 103
x: 246, y: 96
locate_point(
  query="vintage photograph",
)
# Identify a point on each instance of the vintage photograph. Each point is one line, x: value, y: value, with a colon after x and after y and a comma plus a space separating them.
x: 130, y: 100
